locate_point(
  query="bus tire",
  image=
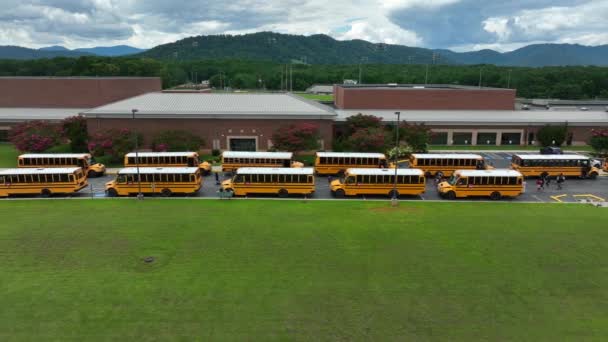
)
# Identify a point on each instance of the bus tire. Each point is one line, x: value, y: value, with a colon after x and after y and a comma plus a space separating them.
x: 428, y: 174
x: 593, y: 175
x: 495, y: 196
x: 283, y: 193
x: 166, y: 192
x: 92, y: 174
x: 339, y: 193
x: 393, y: 193
x: 112, y: 192
x: 45, y: 193
x: 450, y: 195
x: 544, y: 174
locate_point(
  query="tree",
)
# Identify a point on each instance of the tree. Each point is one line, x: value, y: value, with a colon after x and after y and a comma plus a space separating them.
x: 417, y: 136
x: 176, y: 141
x: 75, y: 130
x: 374, y: 139
x: 35, y: 136
x: 296, y: 138
x: 599, y: 140
x: 114, y: 143
x: 356, y: 122
x: 552, y: 135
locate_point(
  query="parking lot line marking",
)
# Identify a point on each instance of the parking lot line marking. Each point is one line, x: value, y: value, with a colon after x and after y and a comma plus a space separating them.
x: 592, y: 196
x: 538, y: 199
x: 558, y: 198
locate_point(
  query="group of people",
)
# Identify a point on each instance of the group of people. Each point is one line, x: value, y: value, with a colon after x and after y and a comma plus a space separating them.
x: 545, y: 181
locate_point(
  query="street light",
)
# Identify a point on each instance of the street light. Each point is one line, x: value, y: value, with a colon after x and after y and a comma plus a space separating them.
x: 140, y: 196
x: 394, y: 199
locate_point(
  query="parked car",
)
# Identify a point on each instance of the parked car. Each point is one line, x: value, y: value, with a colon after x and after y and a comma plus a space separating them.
x: 551, y: 150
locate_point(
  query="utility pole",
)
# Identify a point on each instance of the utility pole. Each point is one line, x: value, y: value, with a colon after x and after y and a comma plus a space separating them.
x: 140, y: 195
x: 394, y: 199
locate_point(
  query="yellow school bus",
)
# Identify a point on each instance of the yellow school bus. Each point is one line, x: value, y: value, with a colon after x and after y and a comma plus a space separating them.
x: 167, y: 159
x: 445, y: 164
x: 63, y: 160
x: 43, y: 181
x: 268, y: 180
x: 333, y: 163
x: 155, y: 180
x: 495, y: 184
x: 543, y: 165
x: 232, y: 160
x: 379, y: 182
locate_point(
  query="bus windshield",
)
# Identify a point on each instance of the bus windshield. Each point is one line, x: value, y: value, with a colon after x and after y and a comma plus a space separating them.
x: 452, y: 180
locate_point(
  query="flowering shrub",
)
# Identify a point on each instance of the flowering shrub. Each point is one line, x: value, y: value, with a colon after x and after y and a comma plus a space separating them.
x: 296, y: 138
x: 375, y: 139
x: 35, y: 136
x: 114, y: 143
x: 175, y: 141
x: 75, y: 130
x: 359, y: 121
x: 599, y: 140
x: 417, y: 136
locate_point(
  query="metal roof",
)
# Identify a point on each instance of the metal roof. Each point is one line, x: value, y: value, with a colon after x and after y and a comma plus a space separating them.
x: 551, y: 156
x: 486, y: 173
x: 408, y: 86
x: 55, y: 155
x: 158, y: 170
x: 41, y: 171
x: 24, y: 114
x: 446, y: 156
x: 275, y: 170
x: 230, y: 106
x: 485, y: 117
x: 388, y: 172
x: 160, y: 154
x: 350, y: 155
x: 268, y: 155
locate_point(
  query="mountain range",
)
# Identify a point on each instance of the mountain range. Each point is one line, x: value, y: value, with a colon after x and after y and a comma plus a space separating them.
x: 18, y: 52
x: 323, y: 49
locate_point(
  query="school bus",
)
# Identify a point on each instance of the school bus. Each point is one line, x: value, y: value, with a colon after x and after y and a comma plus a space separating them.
x: 268, y: 180
x: 155, y: 180
x: 63, y: 160
x: 445, y: 164
x: 543, y: 165
x: 333, y: 163
x: 232, y: 160
x: 496, y: 184
x: 42, y: 181
x: 379, y: 182
x: 167, y: 159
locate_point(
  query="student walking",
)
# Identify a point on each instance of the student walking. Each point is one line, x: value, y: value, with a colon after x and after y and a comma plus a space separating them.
x: 547, y: 181
x: 560, y: 181
x: 539, y: 184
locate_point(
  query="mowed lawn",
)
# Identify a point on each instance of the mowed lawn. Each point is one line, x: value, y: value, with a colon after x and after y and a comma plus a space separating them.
x: 296, y: 270
x: 8, y: 155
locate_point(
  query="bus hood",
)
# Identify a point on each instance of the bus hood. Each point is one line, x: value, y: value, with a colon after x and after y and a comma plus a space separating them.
x: 227, y: 184
x: 110, y: 184
x: 335, y: 184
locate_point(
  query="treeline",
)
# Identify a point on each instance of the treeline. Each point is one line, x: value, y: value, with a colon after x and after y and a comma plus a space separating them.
x: 576, y: 82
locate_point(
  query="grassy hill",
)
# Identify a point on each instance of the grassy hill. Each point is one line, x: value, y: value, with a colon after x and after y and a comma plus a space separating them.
x: 295, y: 270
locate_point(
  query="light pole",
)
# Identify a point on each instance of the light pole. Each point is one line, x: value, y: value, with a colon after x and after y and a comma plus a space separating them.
x: 140, y: 196
x: 394, y: 199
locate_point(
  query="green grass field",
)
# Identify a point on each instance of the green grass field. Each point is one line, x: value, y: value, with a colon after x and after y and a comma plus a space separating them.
x: 8, y: 155
x: 317, y: 97
x: 296, y: 270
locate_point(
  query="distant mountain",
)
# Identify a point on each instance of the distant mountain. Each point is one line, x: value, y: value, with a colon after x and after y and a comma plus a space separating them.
x: 322, y: 49
x: 118, y: 50
x: 17, y: 52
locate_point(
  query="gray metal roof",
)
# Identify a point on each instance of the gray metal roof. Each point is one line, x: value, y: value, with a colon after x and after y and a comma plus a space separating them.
x: 24, y: 114
x: 226, y: 106
x: 485, y: 117
x: 408, y: 86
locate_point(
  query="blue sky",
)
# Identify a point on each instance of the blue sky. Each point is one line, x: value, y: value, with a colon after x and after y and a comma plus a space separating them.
x: 461, y: 25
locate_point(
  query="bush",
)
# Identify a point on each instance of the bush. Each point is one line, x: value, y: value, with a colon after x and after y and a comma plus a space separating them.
x: 599, y: 140
x: 359, y: 121
x: 296, y: 138
x: 176, y: 141
x: 75, y: 130
x: 375, y: 139
x: 35, y: 136
x: 552, y: 135
x: 113, y: 143
x: 63, y: 148
x: 417, y: 136
x: 215, y: 152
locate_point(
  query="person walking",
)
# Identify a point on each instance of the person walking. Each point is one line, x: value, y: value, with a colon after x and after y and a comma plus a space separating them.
x: 547, y: 181
x: 539, y: 184
x: 217, y: 178
x: 560, y: 181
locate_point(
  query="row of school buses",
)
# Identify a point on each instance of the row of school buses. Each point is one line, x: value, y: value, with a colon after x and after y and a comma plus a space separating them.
x: 168, y: 173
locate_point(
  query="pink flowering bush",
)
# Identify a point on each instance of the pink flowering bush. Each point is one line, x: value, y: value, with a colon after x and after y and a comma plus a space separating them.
x: 599, y: 140
x: 296, y: 138
x: 176, y: 141
x: 371, y: 139
x: 114, y: 143
x: 35, y: 136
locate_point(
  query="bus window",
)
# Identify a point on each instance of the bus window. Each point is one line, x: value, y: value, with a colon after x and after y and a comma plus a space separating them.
x: 461, y: 182
x: 350, y: 180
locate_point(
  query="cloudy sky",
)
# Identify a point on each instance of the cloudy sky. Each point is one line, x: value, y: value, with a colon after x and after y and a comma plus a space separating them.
x: 456, y: 24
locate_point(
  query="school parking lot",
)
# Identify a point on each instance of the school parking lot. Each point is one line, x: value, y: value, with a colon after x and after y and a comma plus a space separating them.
x: 573, y: 190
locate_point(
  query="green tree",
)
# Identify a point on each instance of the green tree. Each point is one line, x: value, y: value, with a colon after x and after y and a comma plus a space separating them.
x: 599, y: 141
x: 552, y: 135
x: 417, y: 136
x: 176, y: 141
x: 75, y: 130
x: 371, y: 139
x: 296, y: 138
